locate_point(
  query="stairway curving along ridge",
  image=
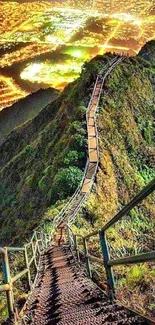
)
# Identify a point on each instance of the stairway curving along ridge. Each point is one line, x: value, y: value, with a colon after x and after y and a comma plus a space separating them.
x: 62, y: 293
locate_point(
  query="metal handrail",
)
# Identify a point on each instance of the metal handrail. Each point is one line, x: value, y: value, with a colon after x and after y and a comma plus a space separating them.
x: 37, y: 245
x: 137, y: 199
x: 139, y: 258
x: 59, y: 218
x: 146, y: 191
x: 107, y: 261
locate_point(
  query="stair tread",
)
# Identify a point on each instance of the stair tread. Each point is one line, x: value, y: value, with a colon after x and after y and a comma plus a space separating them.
x: 65, y: 296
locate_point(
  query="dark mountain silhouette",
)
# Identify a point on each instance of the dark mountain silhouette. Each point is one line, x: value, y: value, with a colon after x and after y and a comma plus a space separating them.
x: 25, y: 109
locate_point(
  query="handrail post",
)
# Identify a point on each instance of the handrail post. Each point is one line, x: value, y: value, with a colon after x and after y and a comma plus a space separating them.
x: 49, y: 238
x: 34, y: 248
x: 7, y: 280
x: 68, y: 235
x: 108, y: 268
x: 27, y: 266
x: 76, y: 247
x: 38, y: 247
x: 87, y: 258
x: 42, y: 240
x: 45, y: 240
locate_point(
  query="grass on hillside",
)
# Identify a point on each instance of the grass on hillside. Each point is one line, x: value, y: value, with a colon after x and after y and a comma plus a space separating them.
x: 127, y: 163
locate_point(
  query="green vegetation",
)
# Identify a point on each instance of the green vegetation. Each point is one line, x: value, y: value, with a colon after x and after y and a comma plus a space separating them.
x: 66, y: 181
x: 42, y: 161
x: 127, y: 150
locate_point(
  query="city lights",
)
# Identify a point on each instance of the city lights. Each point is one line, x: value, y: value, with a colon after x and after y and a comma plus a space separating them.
x: 52, y: 74
x: 45, y: 44
x: 31, y: 71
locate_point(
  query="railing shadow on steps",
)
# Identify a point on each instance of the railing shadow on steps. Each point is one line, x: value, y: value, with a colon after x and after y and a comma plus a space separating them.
x: 105, y: 260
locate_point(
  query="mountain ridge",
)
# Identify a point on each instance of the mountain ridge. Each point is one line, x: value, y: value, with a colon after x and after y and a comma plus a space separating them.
x: 42, y: 163
x: 40, y: 156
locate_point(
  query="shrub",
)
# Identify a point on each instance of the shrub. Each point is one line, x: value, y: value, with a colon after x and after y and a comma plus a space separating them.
x: 42, y: 184
x: 28, y: 149
x: 77, y: 128
x: 78, y: 141
x: 32, y: 180
x: 66, y: 181
x: 71, y: 158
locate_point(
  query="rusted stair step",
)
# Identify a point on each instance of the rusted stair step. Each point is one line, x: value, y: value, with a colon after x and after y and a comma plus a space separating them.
x: 67, y: 297
x: 98, y: 320
x: 91, y: 312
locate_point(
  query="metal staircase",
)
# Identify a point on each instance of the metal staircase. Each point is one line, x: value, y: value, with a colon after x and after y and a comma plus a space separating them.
x: 60, y: 291
x: 64, y: 295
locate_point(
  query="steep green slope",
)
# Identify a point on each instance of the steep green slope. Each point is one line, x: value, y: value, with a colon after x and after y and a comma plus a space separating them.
x: 148, y: 52
x: 41, y: 161
x: 126, y: 125
x: 126, y: 139
x: 24, y: 110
